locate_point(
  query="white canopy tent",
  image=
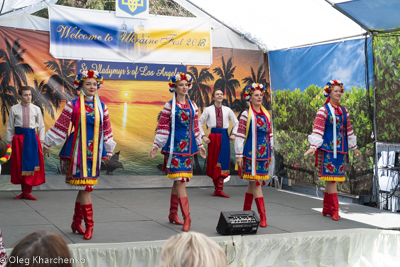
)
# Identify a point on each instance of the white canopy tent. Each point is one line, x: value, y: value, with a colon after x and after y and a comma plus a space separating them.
x: 282, y: 24
x: 270, y: 24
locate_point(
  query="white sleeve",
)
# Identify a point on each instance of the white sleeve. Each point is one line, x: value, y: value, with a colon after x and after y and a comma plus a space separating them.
x: 41, y: 128
x: 241, y: 135
x: 315, y: 140
x: 202, y: 120
x: 10, y: 127
x: 235, y: 122
x: 164, y: 127
x: 197, y: 134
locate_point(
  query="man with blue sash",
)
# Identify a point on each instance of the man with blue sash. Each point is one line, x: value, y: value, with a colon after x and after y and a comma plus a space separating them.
x: 27, y: 168
x: 217, y: 117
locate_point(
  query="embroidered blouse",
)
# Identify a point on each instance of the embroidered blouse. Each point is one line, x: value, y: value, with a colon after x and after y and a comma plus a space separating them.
x: 241, y: 135
x: 28, y: 116
x: 57, y: 134
x: 316, y: 138
x: 209, y: 115
x: 164, y: 125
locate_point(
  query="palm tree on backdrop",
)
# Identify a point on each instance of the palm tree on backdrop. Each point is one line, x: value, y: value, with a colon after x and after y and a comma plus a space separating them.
x: 8, y: 99
x: 200, y: 90
x: 43, y: 97
x: 200, y: 95
x: 260, y: 77
x: 226, y: 83
x: 62, y: 83
x: 13, y: 72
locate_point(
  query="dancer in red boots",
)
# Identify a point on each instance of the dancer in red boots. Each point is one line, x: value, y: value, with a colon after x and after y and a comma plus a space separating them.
x: 219, y: 151
x: 90, y: 141
x: 27, y: 168
x: 179, y: 137
x: 253, y: 147
x: 331, y: 137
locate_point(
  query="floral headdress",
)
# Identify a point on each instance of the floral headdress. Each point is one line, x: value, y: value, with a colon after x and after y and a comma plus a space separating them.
x: 177, y: 78
x: 83, y: 75
x: 329, y: 86
x: 250, y: 89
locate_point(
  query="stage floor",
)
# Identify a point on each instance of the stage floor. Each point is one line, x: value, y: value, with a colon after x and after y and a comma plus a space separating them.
x: 139, y: 215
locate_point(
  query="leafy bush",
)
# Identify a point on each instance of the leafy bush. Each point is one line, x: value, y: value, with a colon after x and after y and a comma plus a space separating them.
x: 387, y: 77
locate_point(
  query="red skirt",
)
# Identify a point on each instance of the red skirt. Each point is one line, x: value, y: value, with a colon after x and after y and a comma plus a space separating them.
x: 213, y: 170
x: 38, y: 177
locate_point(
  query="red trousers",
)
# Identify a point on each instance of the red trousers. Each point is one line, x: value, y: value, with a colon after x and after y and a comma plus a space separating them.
x: 212, y: 159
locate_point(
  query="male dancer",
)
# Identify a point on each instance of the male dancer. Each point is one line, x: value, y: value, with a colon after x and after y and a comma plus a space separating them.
x: 27, y: 168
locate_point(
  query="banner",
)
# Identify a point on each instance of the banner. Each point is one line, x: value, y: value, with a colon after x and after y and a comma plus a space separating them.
x: 84, y: 34
x: 129, y: 71
x: 132, y: 8
x: 297, y: 79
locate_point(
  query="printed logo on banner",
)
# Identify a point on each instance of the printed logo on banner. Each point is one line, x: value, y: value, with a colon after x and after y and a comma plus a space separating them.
x: 131, y: 7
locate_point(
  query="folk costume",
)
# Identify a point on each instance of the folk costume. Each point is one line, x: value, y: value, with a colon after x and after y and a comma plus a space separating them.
x: 90, y: 141
x: 219, y: 150
x: 254, y: 142
x: 179, y: 137
x: 27, y: 167
x: 331, y: 137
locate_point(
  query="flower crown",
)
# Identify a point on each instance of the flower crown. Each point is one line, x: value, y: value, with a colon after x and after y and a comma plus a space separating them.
x: 250, y: 89
x: 177, y: 78
x: 329, y: 86
x: 85, y: 74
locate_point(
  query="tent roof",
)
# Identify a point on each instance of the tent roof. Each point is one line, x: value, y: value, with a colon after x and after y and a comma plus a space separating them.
x: 383, y: 15
x: 280, y: 24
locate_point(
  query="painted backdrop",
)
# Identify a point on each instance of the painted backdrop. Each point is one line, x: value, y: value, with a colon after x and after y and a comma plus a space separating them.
x: 134, y: 105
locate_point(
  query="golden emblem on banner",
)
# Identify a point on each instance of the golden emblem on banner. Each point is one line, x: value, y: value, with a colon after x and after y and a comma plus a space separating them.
x: 132, y: 4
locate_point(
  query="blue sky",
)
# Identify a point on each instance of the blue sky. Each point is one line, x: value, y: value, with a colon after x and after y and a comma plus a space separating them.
x: 302, y: 67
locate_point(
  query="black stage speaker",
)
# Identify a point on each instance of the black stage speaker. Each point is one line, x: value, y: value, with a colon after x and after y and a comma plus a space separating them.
x: 238, y: 222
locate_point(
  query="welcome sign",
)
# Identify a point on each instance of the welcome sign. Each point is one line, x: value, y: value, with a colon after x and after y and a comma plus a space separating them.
x: 84, y: 34
x: 129, y: 71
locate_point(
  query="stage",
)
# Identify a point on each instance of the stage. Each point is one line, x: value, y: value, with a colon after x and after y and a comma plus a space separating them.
x: 134, y: 222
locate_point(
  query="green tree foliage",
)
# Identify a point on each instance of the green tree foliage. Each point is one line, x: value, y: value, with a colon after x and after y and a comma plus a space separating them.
x: 157, y: 7
x: 387, y: 77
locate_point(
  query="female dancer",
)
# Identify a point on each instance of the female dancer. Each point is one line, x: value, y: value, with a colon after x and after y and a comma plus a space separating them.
x: 219, y: 152
x: 179, y: 137
x: 89, y: 143
x: 254, y: 143
x: 332, y: 134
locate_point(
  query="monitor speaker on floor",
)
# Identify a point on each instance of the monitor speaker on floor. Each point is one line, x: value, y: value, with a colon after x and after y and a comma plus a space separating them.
x: 238, y: 222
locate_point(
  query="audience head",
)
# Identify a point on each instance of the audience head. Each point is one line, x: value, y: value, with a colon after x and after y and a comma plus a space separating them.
x: 191, y: 249
x: 41, y: 249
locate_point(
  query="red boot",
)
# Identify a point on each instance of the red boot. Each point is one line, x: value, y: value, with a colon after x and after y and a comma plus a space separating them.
x: 27, y: 192
x: 261, y: 210
x: 219, y: 185
x: 327, y: 209
x: 335, y: 206
x: 248, y: 199
x: 173, y: 211
x: 87, y: 211
x: 185, y: 213
x: 21, y: 196
x: 77, y: 220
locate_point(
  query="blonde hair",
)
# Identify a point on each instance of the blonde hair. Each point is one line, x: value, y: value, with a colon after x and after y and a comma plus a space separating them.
x: 192, y: 249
